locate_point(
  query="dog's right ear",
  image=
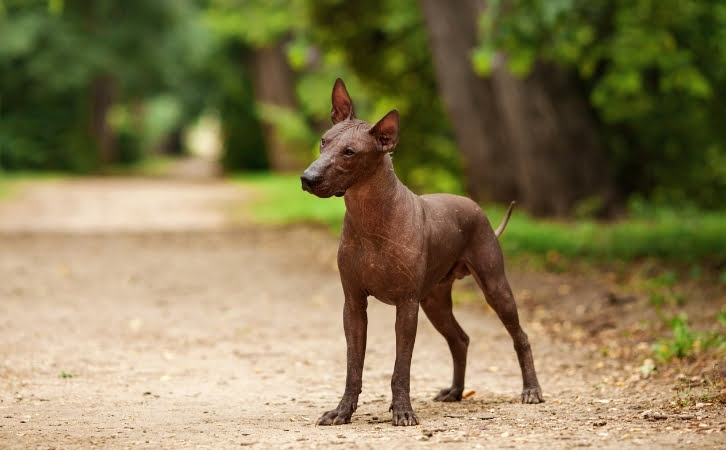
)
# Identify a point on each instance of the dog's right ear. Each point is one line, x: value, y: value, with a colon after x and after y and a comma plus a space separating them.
x: 386, y: 131
x: 342, y: 104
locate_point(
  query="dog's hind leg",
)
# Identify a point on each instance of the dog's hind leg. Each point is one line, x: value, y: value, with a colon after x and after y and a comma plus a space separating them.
x: 486, y: 264
x: 438, y: 308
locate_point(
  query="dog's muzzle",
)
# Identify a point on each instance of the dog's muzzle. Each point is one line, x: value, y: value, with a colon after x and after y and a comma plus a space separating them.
x: 310, y: 180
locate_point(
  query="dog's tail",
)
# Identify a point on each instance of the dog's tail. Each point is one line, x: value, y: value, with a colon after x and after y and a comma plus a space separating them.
x: 500, y: 229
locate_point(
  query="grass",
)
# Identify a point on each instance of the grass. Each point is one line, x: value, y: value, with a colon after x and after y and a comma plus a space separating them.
x: 687, y: 342
x: 13, y: 182
x: 678, y: 236
x: 687, y: 238
x: 282, y: 201
x: 4, y: 188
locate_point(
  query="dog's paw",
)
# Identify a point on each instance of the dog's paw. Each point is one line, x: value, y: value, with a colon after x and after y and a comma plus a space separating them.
x: 532, y: 395
x: 404, y: 417
x: 337, y: 416
x: 451, y: 394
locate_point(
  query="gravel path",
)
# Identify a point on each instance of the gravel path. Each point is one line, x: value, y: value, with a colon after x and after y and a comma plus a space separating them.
x: 134, y: 314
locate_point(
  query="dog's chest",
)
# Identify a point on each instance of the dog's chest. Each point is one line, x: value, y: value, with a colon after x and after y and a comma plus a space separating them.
x: 386, y: 269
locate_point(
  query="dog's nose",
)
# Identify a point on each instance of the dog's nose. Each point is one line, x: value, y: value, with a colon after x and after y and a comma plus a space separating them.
x: 309, y: 180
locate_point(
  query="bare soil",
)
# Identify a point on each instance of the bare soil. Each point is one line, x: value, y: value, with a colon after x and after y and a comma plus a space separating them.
x: 133, y: 313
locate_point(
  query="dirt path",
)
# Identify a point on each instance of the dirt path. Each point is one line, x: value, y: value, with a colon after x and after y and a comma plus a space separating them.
x: 132, y: 314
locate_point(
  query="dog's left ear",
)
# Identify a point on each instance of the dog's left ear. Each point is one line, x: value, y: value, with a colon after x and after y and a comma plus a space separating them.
x: 342, y: 104
x: 386, y: 131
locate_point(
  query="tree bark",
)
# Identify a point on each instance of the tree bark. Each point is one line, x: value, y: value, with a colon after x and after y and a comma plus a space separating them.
x: 274, y: 83
x: 532, y: 140
x: 558, y: 158
x: 469, y: 101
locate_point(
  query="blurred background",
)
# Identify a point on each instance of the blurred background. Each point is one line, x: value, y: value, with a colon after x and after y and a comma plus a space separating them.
x: 151, y: 149
x: 573, y: 108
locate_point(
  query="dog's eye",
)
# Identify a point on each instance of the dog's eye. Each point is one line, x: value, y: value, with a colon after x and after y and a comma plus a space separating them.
x: 322, y: 142
x: 348, y: 152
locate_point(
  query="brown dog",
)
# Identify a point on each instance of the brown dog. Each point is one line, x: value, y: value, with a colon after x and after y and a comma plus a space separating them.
x: 406, y: 250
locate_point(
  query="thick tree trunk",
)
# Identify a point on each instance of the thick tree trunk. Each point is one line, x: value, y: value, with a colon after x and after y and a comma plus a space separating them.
x: 559, y: 161
x: 531, y: 140
x: 274, y: 84
x: 469, y: 101
x: 102, y: 94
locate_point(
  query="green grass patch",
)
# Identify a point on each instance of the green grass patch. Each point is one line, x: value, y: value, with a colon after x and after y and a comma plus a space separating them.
x: 12, y: 182
x: 679, y: 236
x: 686, y: 342
x: 690, y: 237
x: 282, y: 201
x: 4, y: 188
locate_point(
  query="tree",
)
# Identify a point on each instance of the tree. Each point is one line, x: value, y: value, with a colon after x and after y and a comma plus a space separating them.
x: 532, y: 139
x: 262, y: 30
x: 72, y: 60
x: 244, y: 145
x: 653, y: 73
x: 383, y: 42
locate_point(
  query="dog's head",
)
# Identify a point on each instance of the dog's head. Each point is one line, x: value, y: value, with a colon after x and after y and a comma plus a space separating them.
x: 351, y: 151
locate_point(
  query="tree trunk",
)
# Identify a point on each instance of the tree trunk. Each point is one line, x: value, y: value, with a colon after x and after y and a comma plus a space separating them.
x: 274, y: 84
x: 469, y: 101
x: 559, y: 161
x: 102, y: 94
x: 173, y: 143
x: 530, y: 140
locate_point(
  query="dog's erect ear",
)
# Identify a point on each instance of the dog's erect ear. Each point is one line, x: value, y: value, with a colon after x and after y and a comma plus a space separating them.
x: 386, y: 131
x: 342, y: 104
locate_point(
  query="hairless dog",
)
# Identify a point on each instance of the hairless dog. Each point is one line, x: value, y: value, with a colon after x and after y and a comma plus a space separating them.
x: 406, y: 250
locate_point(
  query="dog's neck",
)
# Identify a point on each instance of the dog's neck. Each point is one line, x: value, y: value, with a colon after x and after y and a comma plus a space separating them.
x: 378, y: 199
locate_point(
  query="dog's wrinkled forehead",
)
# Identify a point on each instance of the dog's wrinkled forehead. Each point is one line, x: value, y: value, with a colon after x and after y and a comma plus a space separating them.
x: 347, y: 132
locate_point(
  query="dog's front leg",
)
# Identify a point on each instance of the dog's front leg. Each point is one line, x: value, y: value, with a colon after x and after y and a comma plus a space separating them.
x: 406, y: 324
x: 355, y: 323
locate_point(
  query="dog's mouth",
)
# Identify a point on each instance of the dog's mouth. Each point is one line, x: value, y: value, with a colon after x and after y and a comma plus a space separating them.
x: 322, y: 192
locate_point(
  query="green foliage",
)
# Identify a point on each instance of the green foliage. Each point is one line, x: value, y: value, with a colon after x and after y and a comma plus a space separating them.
x: 39, y: 132
x: 244, y: 148
x: 655, y: 73
x: 240, y: 28
x: 384, y: 43
x: 52, y: 52
x: 687, y: 342
x: 686, y: 238
x: 662, y: 292
x: 258, y: 23
x: 379, y: 48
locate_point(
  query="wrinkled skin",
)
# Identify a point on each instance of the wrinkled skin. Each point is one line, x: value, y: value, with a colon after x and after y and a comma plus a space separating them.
x: 405, y: 250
